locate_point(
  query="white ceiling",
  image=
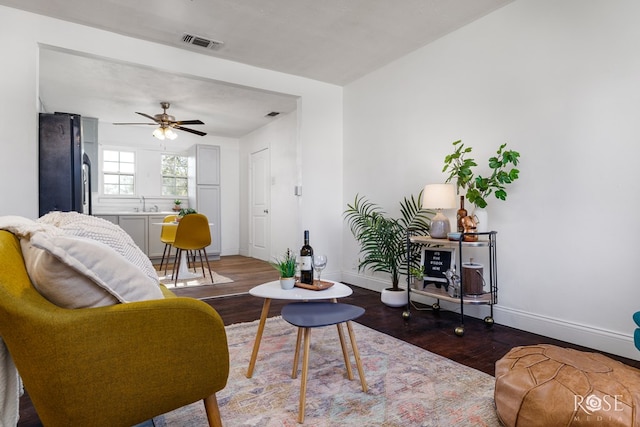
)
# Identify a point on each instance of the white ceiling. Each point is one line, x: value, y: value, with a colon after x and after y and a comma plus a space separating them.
x: 114, y: 91
x: 335, y: 41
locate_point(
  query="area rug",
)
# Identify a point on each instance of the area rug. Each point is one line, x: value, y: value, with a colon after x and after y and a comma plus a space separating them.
x: 408, y: 386
x: 197, y: 281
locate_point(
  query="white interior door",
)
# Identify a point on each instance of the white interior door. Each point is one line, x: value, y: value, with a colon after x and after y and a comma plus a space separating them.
x: 260, y: 198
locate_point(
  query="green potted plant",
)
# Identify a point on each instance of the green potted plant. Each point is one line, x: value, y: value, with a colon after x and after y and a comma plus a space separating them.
x: 418, y: 274
x: 286, y: 266
x: 382, y: 240
x: 185, y: 211
x: 478, y: 188
x: 176, y: 204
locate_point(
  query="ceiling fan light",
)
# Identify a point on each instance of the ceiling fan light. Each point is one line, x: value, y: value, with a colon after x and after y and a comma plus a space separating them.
x: 159, y: 133
x: 166, y: 124
x: 169, y: 133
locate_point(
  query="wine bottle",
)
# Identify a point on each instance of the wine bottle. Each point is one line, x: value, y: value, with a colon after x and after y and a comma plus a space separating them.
x: 462, y: 212
x: 306, y: 267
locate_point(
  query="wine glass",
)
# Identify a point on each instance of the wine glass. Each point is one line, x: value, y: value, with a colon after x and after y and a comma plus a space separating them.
x: 319, y: 262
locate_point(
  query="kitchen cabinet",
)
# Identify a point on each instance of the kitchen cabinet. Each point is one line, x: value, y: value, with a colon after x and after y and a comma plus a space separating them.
x: 155, y: 247
x: 204, y: 190
x: 208, y: 203
x: 136, y: 227
x: 143, y: 229
x: 90, y: 145
x: 207, y: 169
x: 111, y: 218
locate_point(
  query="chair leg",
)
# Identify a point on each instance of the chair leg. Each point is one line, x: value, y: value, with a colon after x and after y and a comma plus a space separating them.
x: 175, y: 259
x: 345, y: 352
x: 356, y: 354
x: 296, y: 355
x: 201, y: 263
x: 176, y: 266
x: 166, y: 266
x: 163, y: 255
x: 212, y: 410
x: 188, y: 257
x: 305, y: 370
x: 208, y: 265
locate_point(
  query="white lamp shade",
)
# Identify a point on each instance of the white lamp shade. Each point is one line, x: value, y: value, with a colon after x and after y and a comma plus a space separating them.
x: 439, y: 196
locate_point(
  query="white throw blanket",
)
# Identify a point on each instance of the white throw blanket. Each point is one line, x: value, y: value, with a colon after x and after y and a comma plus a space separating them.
x: 10, y: 383
x: 25, y: 227
x: 10, y: 389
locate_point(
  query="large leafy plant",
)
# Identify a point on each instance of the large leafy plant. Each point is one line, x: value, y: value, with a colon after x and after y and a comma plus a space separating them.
x: 383, y: 239
x: 478, y: 188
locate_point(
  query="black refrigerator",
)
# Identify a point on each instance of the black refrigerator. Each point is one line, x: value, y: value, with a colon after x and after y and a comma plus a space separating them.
x: 64, y: 179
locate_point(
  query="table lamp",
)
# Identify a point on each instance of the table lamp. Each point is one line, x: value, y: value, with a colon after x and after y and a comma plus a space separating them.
x: 438, y: 197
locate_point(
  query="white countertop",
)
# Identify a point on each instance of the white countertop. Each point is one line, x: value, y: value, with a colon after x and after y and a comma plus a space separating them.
x: 134, y: 213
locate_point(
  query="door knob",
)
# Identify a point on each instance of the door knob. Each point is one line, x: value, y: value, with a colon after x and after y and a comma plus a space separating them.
x: 266, y: 211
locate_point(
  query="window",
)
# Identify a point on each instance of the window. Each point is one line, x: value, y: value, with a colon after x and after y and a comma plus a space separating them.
x: 119, y: 169
x: 174, y: 175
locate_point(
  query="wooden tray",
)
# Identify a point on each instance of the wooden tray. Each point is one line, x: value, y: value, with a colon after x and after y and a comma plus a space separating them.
x: 318, y: 285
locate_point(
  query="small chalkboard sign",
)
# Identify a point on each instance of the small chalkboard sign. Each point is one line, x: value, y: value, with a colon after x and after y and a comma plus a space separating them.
x: 436, y: 262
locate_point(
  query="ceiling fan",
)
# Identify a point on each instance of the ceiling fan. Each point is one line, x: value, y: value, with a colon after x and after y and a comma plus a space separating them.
x: 167, y: 123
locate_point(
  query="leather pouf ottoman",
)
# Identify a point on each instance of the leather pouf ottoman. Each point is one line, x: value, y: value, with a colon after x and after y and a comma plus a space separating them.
x: 546, y: 385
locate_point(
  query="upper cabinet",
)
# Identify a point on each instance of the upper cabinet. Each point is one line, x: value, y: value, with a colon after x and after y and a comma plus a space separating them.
x: 90, y: 142
x: 207, y: 164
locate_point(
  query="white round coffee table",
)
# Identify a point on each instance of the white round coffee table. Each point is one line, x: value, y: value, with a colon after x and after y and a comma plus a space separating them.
x: 272, y: 290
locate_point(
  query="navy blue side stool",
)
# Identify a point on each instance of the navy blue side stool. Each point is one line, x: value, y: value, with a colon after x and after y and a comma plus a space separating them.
x: 307, y: 315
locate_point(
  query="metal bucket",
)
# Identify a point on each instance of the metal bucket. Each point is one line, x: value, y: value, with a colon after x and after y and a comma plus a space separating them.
x: 472, y: 278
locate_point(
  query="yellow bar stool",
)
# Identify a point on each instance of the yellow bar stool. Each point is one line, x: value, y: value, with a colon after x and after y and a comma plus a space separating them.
x: 308, y: 315
x: 194, y: 235
x: 167, y: 236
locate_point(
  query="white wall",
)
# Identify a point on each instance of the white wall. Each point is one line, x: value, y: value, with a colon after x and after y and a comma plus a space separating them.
x: 19, y: 82
x: 557, y: 80
x: 280, y: 138
x: 319, y: 130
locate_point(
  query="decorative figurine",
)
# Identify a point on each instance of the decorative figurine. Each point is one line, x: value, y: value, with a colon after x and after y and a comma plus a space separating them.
x: 470, y: 225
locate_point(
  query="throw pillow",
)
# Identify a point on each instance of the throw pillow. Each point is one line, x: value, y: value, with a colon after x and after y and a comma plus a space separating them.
x: 81, y: 225
x: 75, y: 272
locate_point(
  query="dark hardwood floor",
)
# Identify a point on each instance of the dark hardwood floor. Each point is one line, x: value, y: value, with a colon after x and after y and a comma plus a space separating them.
x: 480, y: 347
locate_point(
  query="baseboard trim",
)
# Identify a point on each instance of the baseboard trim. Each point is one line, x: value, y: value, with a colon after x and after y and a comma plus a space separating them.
x: 560, y: 329
x: 584, y: 335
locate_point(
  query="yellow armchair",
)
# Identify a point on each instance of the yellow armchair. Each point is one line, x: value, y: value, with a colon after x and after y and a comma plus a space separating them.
x: 118, y: 365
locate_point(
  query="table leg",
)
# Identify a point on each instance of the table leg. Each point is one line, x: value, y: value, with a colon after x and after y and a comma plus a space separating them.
x: 356, y: 354
x: 305, y: 370
x: 256, y: 344
x: 296, y: 356
x: 345, y: 352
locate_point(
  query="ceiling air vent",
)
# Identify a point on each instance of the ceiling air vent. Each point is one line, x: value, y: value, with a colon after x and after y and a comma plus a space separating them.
x: 201, y: 41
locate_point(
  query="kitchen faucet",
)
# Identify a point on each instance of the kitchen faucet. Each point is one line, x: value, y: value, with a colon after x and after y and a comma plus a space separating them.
x: 144, y: 204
